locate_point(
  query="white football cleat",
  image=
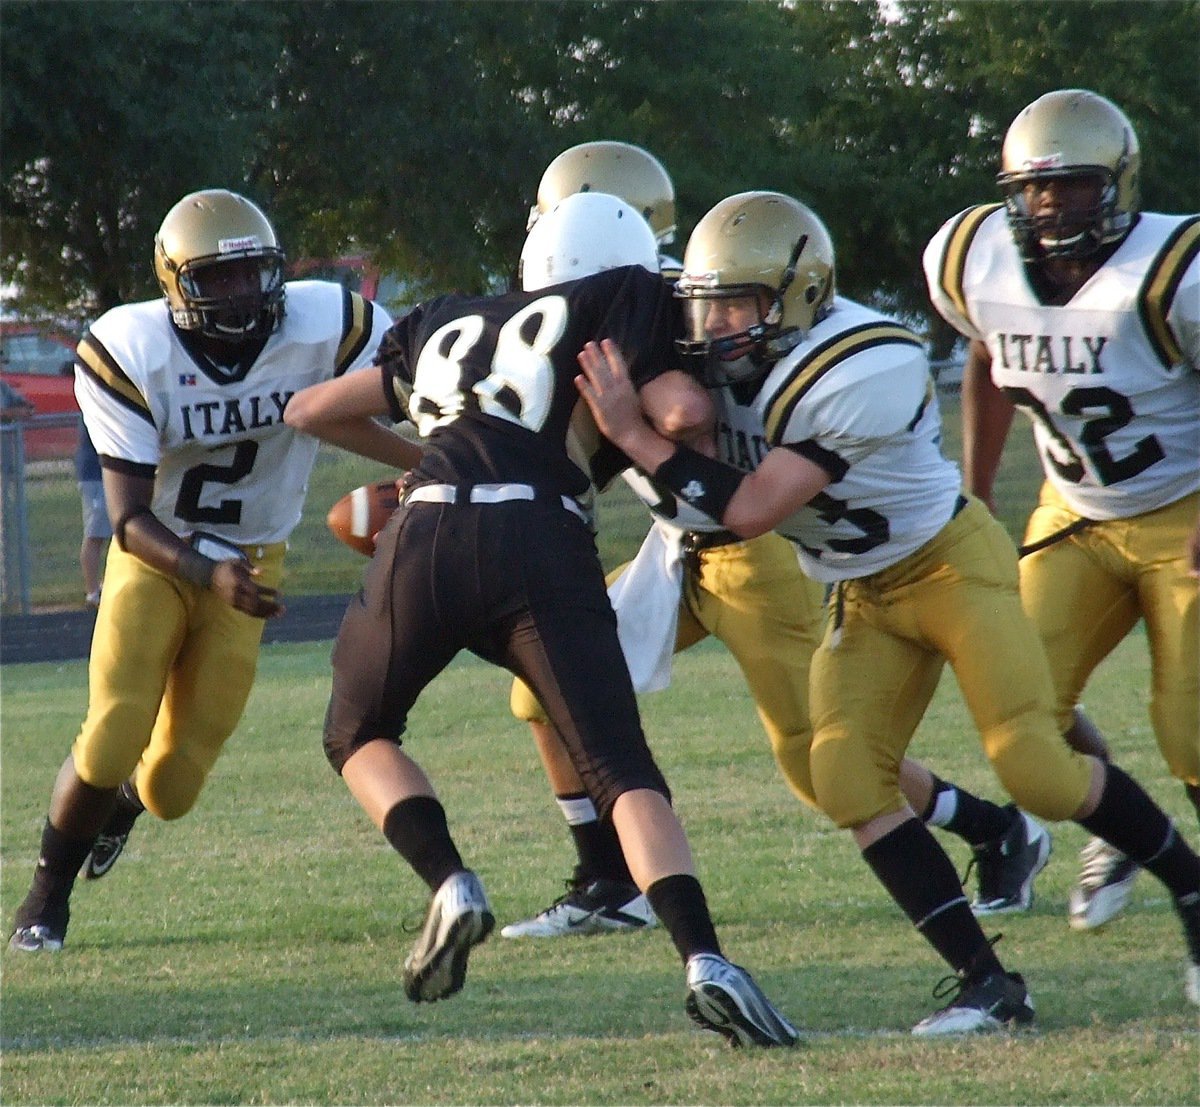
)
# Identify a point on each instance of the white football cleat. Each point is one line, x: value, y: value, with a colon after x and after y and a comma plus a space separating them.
x: 1105, y: 885
x: 459, y: 918
x: 597, y: 907
x: 723, y: 998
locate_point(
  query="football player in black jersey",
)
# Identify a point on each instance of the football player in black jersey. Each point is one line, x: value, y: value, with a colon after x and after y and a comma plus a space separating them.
x: 492, y: 550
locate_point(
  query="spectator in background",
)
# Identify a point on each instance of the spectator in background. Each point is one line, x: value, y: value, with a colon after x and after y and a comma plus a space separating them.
x: 97, y: 529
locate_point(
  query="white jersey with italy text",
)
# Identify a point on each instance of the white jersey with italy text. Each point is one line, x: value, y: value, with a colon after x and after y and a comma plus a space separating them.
x: 857, y: 399
x: 1110, y: 379
x: 214, y: 439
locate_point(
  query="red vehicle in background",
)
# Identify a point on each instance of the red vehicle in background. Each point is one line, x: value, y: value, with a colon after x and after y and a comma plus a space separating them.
x: 36, y: 363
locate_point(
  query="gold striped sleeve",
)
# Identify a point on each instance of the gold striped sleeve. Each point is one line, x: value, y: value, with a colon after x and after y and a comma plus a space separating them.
x: 954, y: 254
x: 1160, y: 285
x: 357, y: 323
x: 823, y: 359
x: 98, y: 364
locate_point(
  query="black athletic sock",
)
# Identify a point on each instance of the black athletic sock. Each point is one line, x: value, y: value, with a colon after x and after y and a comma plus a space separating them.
x: 416, y: 829
x: 1129, y: 819
x: 596, y: 843
x: 58, y: 863
x: 921, y: 879
x: 959, y: 812
x: 679, y: 903
x: 128, y: 807
x: 609, y: 855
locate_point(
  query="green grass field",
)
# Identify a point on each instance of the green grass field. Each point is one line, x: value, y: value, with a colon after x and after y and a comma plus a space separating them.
x: 251, y: 953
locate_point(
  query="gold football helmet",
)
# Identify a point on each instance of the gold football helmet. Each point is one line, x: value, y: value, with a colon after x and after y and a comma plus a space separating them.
x: 203, y: 237
x: 1070, y: 133
x: 761, y: 244
x: 621, y: 170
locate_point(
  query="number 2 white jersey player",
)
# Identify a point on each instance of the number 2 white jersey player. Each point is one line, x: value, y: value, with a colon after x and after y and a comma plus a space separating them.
x: 184, y: 400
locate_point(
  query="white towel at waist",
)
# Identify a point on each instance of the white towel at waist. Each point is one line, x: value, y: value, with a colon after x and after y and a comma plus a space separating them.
x: 646, y: 599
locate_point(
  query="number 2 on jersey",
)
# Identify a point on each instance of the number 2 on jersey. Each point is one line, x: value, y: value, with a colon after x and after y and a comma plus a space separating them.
x: 187, y: 503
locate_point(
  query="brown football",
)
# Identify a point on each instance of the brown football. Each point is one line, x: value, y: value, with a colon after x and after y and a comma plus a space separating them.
x: 360, y: 515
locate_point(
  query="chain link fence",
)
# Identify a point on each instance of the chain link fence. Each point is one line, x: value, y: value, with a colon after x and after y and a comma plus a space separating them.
x: 40, y: 509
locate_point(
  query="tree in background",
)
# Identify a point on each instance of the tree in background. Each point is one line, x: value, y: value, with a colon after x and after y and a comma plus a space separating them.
x: 445, y: 115
x: 417, y: 132
x: 400, y: 129
x: 915, y: 120
x: 110, y: 112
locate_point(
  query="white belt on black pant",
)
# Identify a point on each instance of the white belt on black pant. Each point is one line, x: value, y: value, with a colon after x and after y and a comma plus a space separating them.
x: 487, y: 494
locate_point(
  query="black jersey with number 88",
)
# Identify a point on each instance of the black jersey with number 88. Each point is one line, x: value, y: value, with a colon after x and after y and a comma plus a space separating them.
x: 489, y: 381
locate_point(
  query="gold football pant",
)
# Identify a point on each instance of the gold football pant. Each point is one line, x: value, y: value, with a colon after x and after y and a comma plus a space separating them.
x: 170, y: 671
x: 753, y: 597
x: 1086, y: 592
x: 955, y: 600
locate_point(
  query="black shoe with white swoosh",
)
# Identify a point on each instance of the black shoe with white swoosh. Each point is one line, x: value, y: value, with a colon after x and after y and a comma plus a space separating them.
x: 995, y: 1002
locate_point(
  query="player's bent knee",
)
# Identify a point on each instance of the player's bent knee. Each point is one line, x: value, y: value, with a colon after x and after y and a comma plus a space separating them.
x: 847, y: 810
x: 339, y: 748
x: 170, y: 788
x: 103, y: 771
x: 1176, y: 727
x: 848, y: 785
x: 1044, y: 777
x: 605, y: 789
x: 794, y: 767
x: 109, y: 748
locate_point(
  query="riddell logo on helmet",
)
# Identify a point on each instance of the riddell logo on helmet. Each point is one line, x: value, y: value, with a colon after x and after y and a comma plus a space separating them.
x: 1044, y: 161
x: 237, y: 245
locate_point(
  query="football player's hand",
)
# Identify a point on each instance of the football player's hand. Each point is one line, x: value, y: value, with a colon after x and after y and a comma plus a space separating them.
x: 233, y: 581
x: 605, y: 385
x: 609, y: 393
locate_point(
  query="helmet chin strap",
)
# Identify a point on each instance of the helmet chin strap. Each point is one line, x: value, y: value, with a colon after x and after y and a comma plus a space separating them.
x: 718, y: 373
x: 769, y: 345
